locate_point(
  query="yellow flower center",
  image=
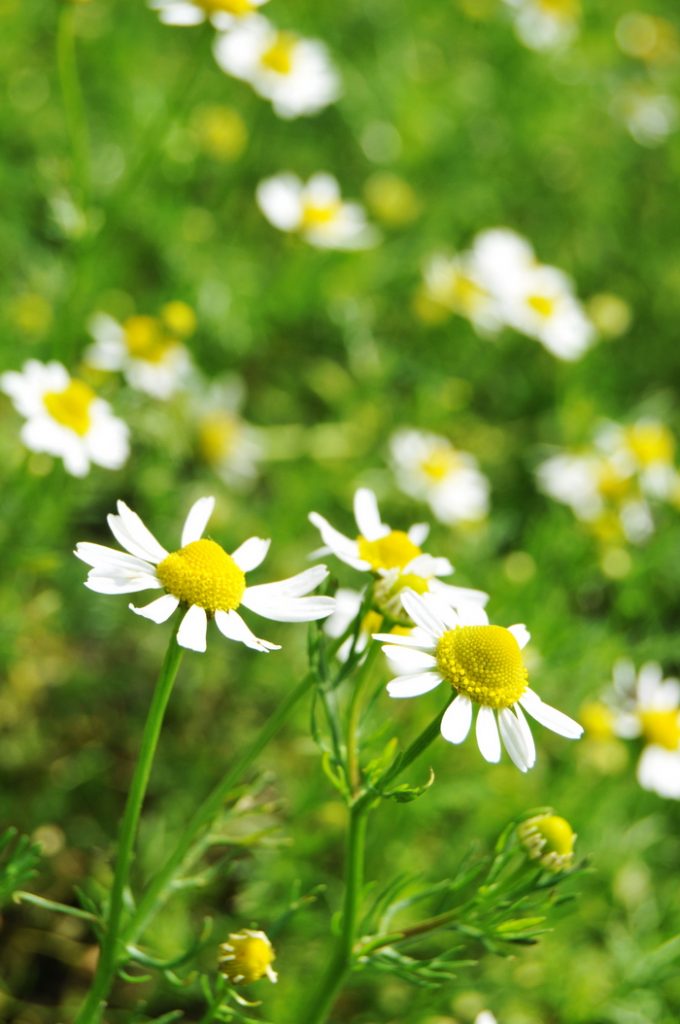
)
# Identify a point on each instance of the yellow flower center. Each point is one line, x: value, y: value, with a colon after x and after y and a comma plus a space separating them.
x: 560, y: 8
x: 597, y: 720
x: 548, y: 839
x: 661, y: 728
x: 439, y: 464
x: 611, y: 483
x: 279, y: 56
x: 236, y: 7
x: 542, y: 304
x: 465, y: 293
x: 394, y: 551
x: 146, y: 339
x: 318, y: 215
x: 71, y: 407
x: 484, y: 663
x: 371, y: 622
x: 203, y: 573
x: 179, y: 318
x: 246, y: 957
x: 651, y: 443
x: 217, y: 436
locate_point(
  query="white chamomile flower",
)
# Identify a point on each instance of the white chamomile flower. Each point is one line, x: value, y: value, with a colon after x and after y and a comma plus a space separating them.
x: 573, y: 480
x: 427, y: 467
x: 483, y: 664
x: 226, y: 441
x: 221, y: 13
x: 540, y: 303
x: 453, y: 283
x: 545, y: 24
x: 150, y: 356
x: 645, y: 448
x: 295, y: 74
x: 201, y: 577
x: 485, y: 1017
x: 316, y: 211
x: 65, y: 418
x: 649, y: 708
x: 395, y: 556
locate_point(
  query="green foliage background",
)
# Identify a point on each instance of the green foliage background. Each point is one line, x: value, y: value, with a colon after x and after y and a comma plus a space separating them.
x: 334, y: 359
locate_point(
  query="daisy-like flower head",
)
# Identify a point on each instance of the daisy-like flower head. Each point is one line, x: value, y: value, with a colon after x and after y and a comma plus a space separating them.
x: 316, y: 211
x: 427, y: 467
x: 646, y: 448
x: 453, y: 283
x: 394, y: 556
x: 648, y: 706
x: 483, y: 664
x: 225, y: 440
x: 223, y: 14
x: 65, y: 418
x: 147, y: 350
x: 549, y: 839
x: 295, y: 74
x: 201, y: 577
x: 247, y: 956
x: 545, y: 24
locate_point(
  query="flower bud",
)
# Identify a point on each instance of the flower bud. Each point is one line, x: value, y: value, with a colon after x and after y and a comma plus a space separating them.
x: 548, y: 839
x: 247, y: 956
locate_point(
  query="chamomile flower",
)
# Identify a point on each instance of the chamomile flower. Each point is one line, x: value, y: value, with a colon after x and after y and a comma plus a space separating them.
x: 225, y: 440
x: 201, y: 578
x: 453, y: 283
x: 649, y: 708
x: 427, y: 467
x: 316, y: 211
x: 545, y: 24
x: 295, y: 74
x: 65, y: 418
x: 549, y: 839
x: 394, y: 556
x: 221, y: 13
x: 483, y: 664
x: 247, y: 956
x: 148, y: 351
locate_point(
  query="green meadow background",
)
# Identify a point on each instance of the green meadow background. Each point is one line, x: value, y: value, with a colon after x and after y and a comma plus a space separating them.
x: 333, y: 358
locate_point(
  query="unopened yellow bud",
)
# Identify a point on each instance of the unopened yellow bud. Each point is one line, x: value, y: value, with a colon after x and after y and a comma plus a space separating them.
x: 247, y: 956
x: 548, y: 839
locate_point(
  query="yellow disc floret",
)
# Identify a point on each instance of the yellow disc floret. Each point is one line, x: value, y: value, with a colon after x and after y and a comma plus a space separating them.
x: 393, y: 551
x: 238, y: 8
x: 71, y: 407
x: 439, y: 463
x: 319, y: 215
x: 548, y: 839
x: 246, y: 957
x: 544, y: 305
x: 484, y: 663
x: 279, y: 56
x: 147, y: 339
x: 661, y: 727
x: 202, y: 573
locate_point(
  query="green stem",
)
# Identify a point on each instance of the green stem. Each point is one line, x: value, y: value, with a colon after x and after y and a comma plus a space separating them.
x: 72, y: 98
x: 430, y: 924
x: 340, y: 964
x: 59, y: 908
x: 419, y: 745
x: 108, y: 959
x: 353, y: 719
x: 160, y: 887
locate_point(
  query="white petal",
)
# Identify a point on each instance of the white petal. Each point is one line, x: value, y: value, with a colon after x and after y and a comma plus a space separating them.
x: 342, y: 547
x: 101, y: 557
x: 472, y: 614
x: 457, y: 720
x: 121, y: 584
x: 408, y: 660
x: 132, y: 534
x: 428, y: 565
x: 513, y: 739
x: 422, y: 613
x: 293, y: 586
x: 527, y: 736
x: 418, y: 533
x: 231, y: 625
x: 367, y: 515
x: 291, y: 609
x: 197, y: 520
x: 488, y: 740
x: 413, y: 685
x: 251, y: 553
x: 420, y: 642
x: 159, y: 610
x: 521, y: 634
x: 192, y: 629
x: 550, y: 717
x: 457, y: 596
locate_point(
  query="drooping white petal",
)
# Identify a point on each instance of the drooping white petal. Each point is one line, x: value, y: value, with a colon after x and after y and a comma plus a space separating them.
x: 488, y: 740
x: 197, y: 520
x: 408, y: 660
x: 457, y: 720
x: 513, y: 739
x: 251, y: 553
x: 342, y: 547
x: 159, y: 610
x: 101, y: 557
x: 550, y: 717
x: 293, y: 586
x: 291, y: 609
x: 130, y: 532
x: 121, y: 585
x: 420, y: 642
x: 422, y: 613
x: 413, y: 685
x: 367, y: 515
x: 527, y: 736
x: 192, y: 629
x: 231, y: 625
x: 521, y: 634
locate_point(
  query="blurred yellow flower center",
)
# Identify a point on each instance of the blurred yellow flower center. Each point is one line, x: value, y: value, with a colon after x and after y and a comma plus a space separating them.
x: 203, y: 573
x: 371, y: 622
x: 484, y: 663
x: 71, y: 407
x: 650, y: 443
x: 548, y: 839
x: 465, y: 293
x: 610, y: 481
x: 217, y: 436
x: 279, y: 56
x: 146, y: 339
x: 439, y: 464
x: 597, y: 720
x: 393, y: 551
x: 237, y: 7
x: 557, y: 833
x: 661, y: 728
x: 542, y: 304
x: 317, y: 215
x: 247, y: 957
x: 560, y: 8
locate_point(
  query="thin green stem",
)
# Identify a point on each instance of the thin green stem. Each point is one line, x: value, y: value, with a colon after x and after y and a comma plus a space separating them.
x: 161, y: 885
x: 109, y: 956
x: 430, y: 924
x: 72, y: 98
x: 59, y: 908
x: 419, y: 746
x: 354, y: 718
x: 340, y: 964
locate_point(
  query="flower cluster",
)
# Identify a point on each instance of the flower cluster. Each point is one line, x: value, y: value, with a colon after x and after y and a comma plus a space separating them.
x: 609, y: 486
x: 316, y: 211
x: 545, y: 24
x: 498, y: 283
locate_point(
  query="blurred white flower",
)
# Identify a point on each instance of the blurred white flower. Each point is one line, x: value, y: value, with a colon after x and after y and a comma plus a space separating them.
x: 649, y: 116
x: 201, y: 577
x: 65, y: 418
x: 149, y: 355
x: 295, y: 74
x: 427, y: 467
x: 229, y: 444
x: 316, y: 211
x: 648, y: 706
x: 394, y: 556
x: 545, y: 24
x: 483, y: 663
x: 454, y: 283
x: 222, y: 13
x: 485, y: 1017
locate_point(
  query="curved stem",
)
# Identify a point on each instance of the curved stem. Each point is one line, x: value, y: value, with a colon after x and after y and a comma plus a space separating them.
x: 161, y: 884
x: 108, y: 959
x: 354, y: 716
